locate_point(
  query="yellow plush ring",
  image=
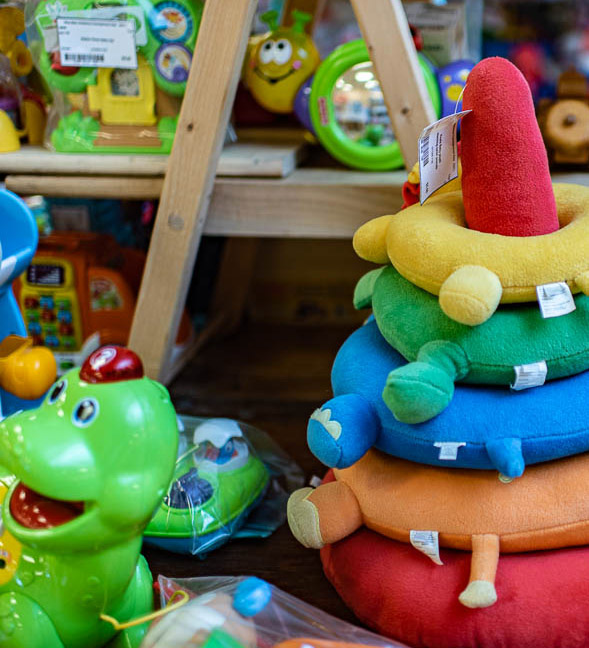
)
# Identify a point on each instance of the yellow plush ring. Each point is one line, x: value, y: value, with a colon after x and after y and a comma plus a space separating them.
x: 473, y: 271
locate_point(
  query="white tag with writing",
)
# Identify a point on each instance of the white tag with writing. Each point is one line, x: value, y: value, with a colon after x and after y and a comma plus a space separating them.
x: 438, y: 154
x: 555, y: 299
x: 448, y: 449
x: 87, y: 42
x: 427, y: 543
x: 529, y: 375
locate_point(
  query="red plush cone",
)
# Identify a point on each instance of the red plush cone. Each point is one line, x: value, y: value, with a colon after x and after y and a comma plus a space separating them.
x: 505, y: 178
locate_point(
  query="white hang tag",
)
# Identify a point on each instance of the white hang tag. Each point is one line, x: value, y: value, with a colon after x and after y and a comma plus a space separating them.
x: 529, y: 375
x: 87, y: 42
x: 555, y: 299
x: 438, y: 154
x: 448, y: 449
x: 427, y: 543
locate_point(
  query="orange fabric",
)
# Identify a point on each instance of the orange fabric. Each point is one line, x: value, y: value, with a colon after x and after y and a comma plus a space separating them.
x: 547, y: 508
x: 336, y: 522
x: 485, y: 557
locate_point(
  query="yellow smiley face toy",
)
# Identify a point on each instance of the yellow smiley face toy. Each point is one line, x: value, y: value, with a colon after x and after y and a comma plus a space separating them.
x: 280, y: 62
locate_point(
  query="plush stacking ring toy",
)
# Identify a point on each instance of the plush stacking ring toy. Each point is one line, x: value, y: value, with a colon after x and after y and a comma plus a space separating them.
x: 508, y: 231
x: 441, y: 351
x: 505, y: 431
x: 469, y: 510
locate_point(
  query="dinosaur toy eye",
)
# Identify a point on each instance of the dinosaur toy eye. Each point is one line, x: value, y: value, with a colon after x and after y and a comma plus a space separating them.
x: 85, y: 412
x: 57, y: 391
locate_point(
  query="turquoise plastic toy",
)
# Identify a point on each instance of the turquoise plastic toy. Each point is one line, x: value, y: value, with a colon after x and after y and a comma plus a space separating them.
x: 90, y: 465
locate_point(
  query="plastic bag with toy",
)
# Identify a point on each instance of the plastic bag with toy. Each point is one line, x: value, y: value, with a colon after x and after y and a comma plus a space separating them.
x: 240, y: 612
x: 231, y: 480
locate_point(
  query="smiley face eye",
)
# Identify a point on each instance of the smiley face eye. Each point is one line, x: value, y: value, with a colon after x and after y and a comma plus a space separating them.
x: 282, y: 51
x: 267, y: 51
x: 56, y: 391
x: 85, y: 412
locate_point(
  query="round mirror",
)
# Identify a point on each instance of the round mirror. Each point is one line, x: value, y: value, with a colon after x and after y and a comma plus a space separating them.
x: 348, y: 112
x: 359, y: 107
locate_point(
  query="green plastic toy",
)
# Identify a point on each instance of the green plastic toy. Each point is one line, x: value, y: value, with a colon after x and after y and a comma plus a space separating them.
x: 90, y: 464
x: 165, y: 36
x: 342, y: 69
x: 217, y: 482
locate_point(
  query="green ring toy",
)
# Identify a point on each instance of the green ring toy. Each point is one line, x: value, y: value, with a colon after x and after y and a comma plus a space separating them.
x: 442, y: 351
x: 328, y: 131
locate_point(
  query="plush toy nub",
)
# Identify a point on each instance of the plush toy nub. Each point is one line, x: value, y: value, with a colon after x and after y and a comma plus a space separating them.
x: 505, y: 178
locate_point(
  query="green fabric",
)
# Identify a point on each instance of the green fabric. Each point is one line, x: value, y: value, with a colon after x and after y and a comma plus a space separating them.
x: 410, y: 318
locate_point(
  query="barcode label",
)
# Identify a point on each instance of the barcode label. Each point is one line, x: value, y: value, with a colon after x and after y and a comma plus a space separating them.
x: 84, y: 58
x: 425, y: 149
x: 97, y: 43
x: 438, y: 155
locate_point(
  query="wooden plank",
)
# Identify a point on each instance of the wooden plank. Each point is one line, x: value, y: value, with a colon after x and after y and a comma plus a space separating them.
x: 63, y: 186
x: 255, y: 159
x: 188, y: 185
x: 386, y: 32
x: 308, y: 204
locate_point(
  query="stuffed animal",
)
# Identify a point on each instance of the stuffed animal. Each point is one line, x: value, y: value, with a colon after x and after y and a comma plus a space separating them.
x: 483, y: 427
x: 90, y: 465
x: 468, y: 510
x: 509, y: 230
x: 442, y: 351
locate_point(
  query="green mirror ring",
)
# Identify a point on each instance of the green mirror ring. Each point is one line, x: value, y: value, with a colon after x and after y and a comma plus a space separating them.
x: 366, y: 151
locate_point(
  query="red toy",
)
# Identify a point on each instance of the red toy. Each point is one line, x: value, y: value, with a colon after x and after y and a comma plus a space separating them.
x: 505, y: 179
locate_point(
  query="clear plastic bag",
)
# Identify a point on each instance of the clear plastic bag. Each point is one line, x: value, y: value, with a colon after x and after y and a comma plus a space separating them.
x: 231, y: 479
x: 132, y: 106
x: 240, y: 612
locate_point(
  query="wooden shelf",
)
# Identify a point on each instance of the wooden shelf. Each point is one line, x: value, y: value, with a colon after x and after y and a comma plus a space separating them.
x: 256, y: 159
x: 310, y: 203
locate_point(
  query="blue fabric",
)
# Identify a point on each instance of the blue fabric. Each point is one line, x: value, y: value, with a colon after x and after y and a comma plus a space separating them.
x: 501, y: 429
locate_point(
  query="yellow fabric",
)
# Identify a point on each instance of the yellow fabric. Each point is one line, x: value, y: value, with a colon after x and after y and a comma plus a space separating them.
x: 428, y: 243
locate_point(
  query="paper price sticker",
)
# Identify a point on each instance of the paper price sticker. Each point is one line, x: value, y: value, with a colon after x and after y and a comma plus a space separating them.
x: 448, y: 449
x: 555, y: 299
x: 427, y: 542
x: 438, y: 154
x: 87, y: 42
x: 529, y: 375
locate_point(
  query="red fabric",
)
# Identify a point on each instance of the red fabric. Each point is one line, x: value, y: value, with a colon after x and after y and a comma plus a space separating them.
x: 410, y: 193
x: 505, y: 177
x: 543, y: 597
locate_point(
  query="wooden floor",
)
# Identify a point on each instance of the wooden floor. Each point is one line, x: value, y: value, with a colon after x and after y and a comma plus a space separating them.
x: 272, y: 377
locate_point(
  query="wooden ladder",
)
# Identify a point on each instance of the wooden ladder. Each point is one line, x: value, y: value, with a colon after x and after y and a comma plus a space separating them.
x: 202, y: 123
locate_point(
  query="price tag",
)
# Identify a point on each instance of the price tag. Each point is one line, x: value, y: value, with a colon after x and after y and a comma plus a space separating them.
x: 555, y: 299
x: 448, y: 449
x: 87, y: 42
x: 529, y: 375
x: 427, y: 543
x: 438, y: 154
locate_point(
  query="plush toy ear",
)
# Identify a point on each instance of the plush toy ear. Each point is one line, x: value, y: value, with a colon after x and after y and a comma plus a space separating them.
x: 370, y: 241
x: 365, y: 289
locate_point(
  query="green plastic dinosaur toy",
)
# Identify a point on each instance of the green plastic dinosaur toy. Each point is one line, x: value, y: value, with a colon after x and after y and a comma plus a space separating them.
x: 90, y: 465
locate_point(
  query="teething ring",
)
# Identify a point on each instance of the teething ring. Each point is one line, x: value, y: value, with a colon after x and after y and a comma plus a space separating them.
x: 472, y: 271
